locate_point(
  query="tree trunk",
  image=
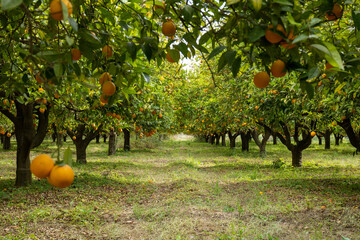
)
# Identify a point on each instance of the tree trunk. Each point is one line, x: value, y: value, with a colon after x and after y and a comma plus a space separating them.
x: 327, y: 139
x: 274, y: 139
x: 320, y: 139
x: 64, y: 138
x: 217, y: 138
x: 7, y: 142
x: 104, y: 136
x: 245, y: 139
x: 296, y: 155
x: 59, y: 139
x: 81, y: 152
x: 354, y: 137
x: 206, y: 138
x: 98, y: 138
x: 223, y: 139
x: 112, y: 143
x: 337, y: 139
x: 126, y: 139
x: 53, y: 136
x: 2, y: 138
x: 212, y: 139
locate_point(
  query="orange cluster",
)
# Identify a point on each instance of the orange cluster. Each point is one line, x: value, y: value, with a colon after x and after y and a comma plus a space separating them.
x: 60, y: 176
x: 114, y: 115
x: 274, y: 37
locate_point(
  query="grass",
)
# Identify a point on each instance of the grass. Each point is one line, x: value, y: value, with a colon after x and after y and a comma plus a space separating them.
x: 188, y: 190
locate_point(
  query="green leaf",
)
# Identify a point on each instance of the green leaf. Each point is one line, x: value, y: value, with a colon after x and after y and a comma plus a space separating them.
x: 320, y: 48
x: 73, y: 24
x: 187, y: 13
x: 204, y: 38
x: 334, y: 57
x: 292, y: 20
x: 301, y: 37
x: 256, y: 4
x: 147, y: 51
x: 313, y: 73
x: 227, y: 58
x: 182, y: 48
x: 283, y: 2
x: 107, y: 15
x: 69, y: 40
x: 216, y: 51
x: 256, y: 33
x: 309, y: 88
x: 65, y: 11
x: 10, y: 4
x: 230, y: 2
x: 174, y: 54
x: 132, y: 50
x: 58, y: 69
x: 68, y: 156
x: 356, y: 19
x: 146, y: 76
x: 338, y: 88
x: 235, y: 67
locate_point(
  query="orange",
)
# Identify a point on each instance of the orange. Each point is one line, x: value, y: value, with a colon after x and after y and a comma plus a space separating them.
x: 74, y: 138
x: 168, y: 57
x: 141, y: 109
x: 328, y: 66
x: 75, y: 54
x: 272, y: 36
x: 133, y: 116
x: 39, y: 78
x: 153, y: 113
x: 42, y: 165
x: 107, y: 51
x: 277, y: 68
x: 168, y: 28
x: 109, y: 88
x: 335, y: 13
x: 42, y: 110
x: 313, y: 134
x: 104, y: 99
x: 56, y: 95
x: 8, y: 135
x: 261, y: 79
x: 160, y: 115
x: 61, y: 176
x: 56, y: 9
x: 105, y: 77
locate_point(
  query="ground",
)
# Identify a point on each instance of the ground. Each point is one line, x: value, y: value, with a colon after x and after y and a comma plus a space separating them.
x: 185, y: 189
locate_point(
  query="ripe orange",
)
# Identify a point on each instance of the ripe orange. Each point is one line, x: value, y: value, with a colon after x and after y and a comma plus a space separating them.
x: 277, y: 68
x: 8, y: 135
x: 42, y: 110
x: 328, y: 66
x: 107, y: 51
x: 56, y: 9
x: 109, y: 88
x: 61, y: 176
x: 104, y: 99
x: 105, y: 77
x: 313, y: 134
x: 335, y: 13
x: 75, y: 54
x: 56, y: 95
x: 168, y: 28
x: 141, y: 109
x: 261, y: 79
x: 39, y: 78
x: 42, y: 165
x: 272, y: 36
x: 133, y: 116
x: 41, y: 89
x: 74, y: 138
x: 168, y: 57
x: 160, y: 115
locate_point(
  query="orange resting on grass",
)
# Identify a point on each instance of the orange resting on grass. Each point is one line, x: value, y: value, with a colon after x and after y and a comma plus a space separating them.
x: 42, y: 165
x: 61, y: 176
